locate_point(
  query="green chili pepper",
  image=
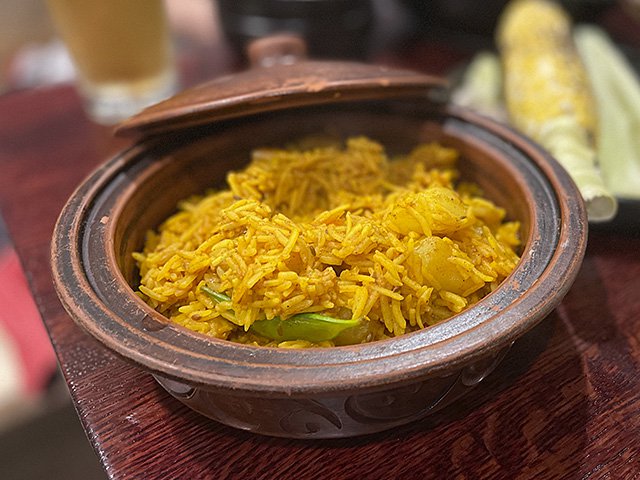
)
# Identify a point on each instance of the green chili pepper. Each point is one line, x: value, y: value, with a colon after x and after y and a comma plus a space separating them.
x: 215, y: 296
x: 313, y: 327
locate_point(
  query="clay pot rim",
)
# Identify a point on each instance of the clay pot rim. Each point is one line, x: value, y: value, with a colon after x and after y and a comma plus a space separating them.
x: 398, y: 360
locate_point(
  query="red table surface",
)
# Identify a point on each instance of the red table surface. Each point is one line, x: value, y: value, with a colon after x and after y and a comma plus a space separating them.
x: 564, y: 403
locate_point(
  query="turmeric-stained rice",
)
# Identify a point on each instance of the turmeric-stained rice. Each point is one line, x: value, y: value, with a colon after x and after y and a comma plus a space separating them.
x: 340, y: 230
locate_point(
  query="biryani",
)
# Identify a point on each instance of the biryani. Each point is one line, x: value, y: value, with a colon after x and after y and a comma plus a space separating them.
x: 328, y: 244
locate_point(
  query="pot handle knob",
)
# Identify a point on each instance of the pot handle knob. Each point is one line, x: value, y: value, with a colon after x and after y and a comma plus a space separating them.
x: 279, y: 49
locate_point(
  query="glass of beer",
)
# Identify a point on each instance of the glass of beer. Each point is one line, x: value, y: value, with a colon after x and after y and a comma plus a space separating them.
x: 122, y: 53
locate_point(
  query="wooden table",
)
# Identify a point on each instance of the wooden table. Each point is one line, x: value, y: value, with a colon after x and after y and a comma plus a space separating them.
x: 565, y: 403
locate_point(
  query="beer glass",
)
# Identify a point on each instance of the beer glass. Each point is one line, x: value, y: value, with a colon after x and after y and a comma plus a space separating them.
x: 122, y: 53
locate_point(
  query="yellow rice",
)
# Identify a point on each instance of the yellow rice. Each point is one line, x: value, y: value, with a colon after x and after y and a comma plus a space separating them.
x: 338, y: 229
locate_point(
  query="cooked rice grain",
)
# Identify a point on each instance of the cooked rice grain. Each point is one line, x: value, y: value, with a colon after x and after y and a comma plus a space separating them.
x: 342, y: 230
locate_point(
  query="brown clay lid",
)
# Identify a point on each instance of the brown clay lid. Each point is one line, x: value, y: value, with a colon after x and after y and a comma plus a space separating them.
x: 280, y: 78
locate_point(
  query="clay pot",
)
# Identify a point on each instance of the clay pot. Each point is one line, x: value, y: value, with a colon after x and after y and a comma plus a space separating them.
x: 190, y: 142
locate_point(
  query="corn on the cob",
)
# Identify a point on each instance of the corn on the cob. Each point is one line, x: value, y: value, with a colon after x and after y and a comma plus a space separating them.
x: 547, y: 94
x: 481, y: 86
